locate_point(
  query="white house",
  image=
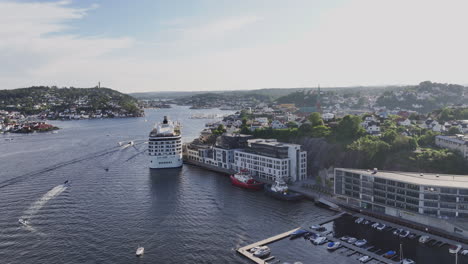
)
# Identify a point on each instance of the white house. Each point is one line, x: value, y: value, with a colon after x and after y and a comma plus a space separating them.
x: 405, y: 122
x: 276, y: 124
x: 328, y: 116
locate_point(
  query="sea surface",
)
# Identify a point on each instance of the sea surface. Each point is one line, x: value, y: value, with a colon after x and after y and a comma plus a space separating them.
x: 187, y: 215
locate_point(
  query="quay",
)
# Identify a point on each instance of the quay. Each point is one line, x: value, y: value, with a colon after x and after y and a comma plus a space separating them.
x: 245, y: 250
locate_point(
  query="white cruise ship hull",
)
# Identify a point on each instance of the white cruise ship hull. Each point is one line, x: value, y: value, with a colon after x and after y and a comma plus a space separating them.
x: 165, y: 162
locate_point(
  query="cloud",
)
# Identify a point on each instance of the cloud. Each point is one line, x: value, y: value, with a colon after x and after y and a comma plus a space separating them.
x: 32, y: 43
x: 217, y: 28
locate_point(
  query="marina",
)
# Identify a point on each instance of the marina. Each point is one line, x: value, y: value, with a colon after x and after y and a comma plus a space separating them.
x: 362, y: 251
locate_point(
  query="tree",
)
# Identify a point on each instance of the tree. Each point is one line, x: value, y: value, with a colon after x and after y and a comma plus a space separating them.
x: 320, y: 131
x: 349, y: 129
x: 316, y: 119
x: 389, y: 136
x: 305, y: 129
x: 219, y: 130
x: 453, y: 131
x: 292, y: 124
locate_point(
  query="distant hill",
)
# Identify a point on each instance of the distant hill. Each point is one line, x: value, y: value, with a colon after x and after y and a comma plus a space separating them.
x: 425, y: 97
x: 271, y: 92
x: 36, y: 99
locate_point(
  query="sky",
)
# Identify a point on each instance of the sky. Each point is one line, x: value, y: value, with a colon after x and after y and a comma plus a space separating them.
x: 192, y: 45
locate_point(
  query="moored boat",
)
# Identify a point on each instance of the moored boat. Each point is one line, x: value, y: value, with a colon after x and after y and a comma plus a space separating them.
x: 262, y: 252
x: 408, y: 261
x: 333, y: 245
x: 389, y: 254
x: 424, y: 239
x: 454, y: 249
x: 298, y: 233
x: 244, y: 179
x: 319, y: 240
x: 280, y: 190
x: 360, y: 243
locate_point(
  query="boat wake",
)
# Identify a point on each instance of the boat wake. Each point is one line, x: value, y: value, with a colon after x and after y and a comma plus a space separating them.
x: 32, y: 210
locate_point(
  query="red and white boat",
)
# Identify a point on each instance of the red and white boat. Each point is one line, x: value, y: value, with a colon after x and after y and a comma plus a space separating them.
x: 244, y: 180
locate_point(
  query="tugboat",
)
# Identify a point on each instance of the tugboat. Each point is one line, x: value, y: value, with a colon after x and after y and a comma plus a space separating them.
x: 244, y: 180
x: 280, y: 190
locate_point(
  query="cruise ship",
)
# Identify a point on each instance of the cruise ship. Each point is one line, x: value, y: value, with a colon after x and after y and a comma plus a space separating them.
x: 165, y: 145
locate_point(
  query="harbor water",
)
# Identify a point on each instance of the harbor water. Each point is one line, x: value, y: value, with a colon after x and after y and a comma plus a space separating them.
x: 187, y: 215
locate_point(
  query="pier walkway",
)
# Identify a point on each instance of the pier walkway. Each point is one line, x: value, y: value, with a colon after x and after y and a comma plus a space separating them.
x: 245, y: 250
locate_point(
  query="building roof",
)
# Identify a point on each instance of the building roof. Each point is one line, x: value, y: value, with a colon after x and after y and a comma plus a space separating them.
x: 426, y: 179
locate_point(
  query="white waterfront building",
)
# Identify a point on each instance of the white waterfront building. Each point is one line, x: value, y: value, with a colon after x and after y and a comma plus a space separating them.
x: 269, y: 159
x: 404, y: 194
x: 264, y: 158
x: 165, y: 145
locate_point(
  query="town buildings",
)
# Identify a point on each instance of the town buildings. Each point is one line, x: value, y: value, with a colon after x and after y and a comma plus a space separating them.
x: 264, y: 158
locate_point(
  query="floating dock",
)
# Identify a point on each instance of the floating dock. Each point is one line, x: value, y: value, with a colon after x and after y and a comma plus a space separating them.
x: 245, y: 250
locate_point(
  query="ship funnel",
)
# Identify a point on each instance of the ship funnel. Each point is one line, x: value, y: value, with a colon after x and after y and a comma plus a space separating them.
x: 165, y: 120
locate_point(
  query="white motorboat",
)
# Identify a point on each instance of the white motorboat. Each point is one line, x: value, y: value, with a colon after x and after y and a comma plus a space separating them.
x: 23, y: 221
x: 320, y: 240
x: 352, y: 240
x: 366, y: 222
x: 375, y: 225
x: 364, y: 258
x: 359, y: 220
x: 140, y: 251
x: 464, y: 252
x: 360, y: 243
x: 404, y: 233
x: 344, y: 238
x: 381, y: 227
x: 424, y: 239
x: 408, y: 261
x: 398, y: 231
x: 333, y: 245
x: 262, y: 252
x: 454, y: 249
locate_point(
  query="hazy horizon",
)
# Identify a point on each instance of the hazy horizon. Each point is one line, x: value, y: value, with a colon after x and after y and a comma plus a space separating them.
x: 160, y: 46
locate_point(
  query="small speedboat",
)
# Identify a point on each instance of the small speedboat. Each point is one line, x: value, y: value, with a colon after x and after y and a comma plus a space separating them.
x: 389, y: 254
x: 397, y: 232
x: 464, y: 252
x: 412, y: 236
x: 424, y: 239
x: 333, y: 245
x: 381, y: 227
x: 298, y: 233
x: 360, y: 243
x: 344, y: 238
x: 262, y: 252
x: 366, y: 222
x: 320, y: 240
x: 375, y: 225
x: 65, y: 182
x: 364, y: 258
x: 359, y: 220
x: 404, y: 233
x: 140, y: 251
x: 318, y: 228
x: 454, y: 249
x: 352, y: 240
x: 23, y: 221
x: 408, y: 261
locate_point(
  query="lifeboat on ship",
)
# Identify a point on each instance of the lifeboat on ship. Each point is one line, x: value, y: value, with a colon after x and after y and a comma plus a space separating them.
x: 244, y: 179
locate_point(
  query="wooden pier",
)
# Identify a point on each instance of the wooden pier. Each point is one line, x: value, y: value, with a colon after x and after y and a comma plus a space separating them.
x: 245, y: 250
